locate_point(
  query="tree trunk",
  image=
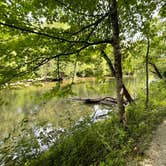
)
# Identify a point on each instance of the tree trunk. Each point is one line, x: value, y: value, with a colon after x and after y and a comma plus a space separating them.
x: 74, y: 72
x: 156, y: 70
x: 147, y: 74
x: 58, y: 68
x: 125, y: 91
x: 109, y: 62
x: 117, y: 57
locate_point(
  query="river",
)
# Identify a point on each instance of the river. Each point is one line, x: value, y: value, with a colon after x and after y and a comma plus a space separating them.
x: 22, y: 102
x: 31, y: 118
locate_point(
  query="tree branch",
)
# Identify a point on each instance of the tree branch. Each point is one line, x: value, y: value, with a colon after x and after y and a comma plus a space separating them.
x: 55, y: 37
x: 38, y: 33
x: 109, y: 62
x: 93, y: 24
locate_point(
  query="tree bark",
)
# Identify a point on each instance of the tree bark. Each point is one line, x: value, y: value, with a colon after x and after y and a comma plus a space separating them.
x: 74, y: 72
x: 147, y: 75
x: 117, y: 57
x: 109, y: 62
x: 58, y: 68
x: 127, y: 95
x: 156, y: 70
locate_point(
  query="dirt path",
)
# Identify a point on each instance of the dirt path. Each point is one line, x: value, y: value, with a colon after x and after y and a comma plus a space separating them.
x: 156, y: 154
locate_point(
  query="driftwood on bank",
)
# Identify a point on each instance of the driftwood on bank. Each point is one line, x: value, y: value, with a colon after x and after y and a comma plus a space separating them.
x: 104, y: 100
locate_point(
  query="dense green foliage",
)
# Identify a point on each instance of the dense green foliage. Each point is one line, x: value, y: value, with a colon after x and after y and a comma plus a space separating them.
x: 35, y: 32
x: 106, y: 142
x: 62, y: 39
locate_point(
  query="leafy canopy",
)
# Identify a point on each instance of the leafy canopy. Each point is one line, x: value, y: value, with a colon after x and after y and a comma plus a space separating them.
x: 33, y: 32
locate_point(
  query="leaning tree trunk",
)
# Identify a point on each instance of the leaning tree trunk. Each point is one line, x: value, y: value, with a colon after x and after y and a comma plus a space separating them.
x: 157, y: 72
x: 117, y: 57
x: 109, y: 62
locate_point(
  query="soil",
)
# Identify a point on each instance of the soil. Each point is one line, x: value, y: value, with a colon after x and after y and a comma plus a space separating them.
x: 156, y: 154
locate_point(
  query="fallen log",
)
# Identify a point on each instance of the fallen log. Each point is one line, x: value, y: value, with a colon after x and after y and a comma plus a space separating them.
x: 104, y: 100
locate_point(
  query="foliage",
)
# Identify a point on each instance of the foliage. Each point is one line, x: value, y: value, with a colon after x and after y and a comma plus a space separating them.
x: 38, y: 34
x: 107, y: 142
x: 11, y: 152
x: 87, y: 145
x: 27, y: 141
x: 35, y: 32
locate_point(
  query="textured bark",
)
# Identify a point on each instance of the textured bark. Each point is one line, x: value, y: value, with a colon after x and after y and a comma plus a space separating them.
x: 157, y: 72
x: 125, y: 91
x: 127, y: 95
x: 74, y: 72
x: 117, y: 57
x: 109, y: 62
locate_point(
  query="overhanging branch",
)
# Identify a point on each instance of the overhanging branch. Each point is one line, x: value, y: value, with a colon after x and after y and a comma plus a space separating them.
x: 55, y: 37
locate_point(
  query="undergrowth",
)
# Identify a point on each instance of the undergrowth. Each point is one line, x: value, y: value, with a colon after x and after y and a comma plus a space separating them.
x: 108, y: 143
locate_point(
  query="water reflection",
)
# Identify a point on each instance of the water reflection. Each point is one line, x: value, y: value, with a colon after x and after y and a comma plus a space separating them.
x: 25, y: 102
x: 100, y: 113
x: 48, y: 133
x: 31, y: 125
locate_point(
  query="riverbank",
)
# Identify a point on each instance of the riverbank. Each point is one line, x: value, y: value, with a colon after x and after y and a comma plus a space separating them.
x: 107, y: 143
x: 104, y: 142
x: 52, y: 81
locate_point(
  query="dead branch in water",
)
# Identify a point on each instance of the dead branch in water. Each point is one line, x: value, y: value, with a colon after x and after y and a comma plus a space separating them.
x: 104, y: 100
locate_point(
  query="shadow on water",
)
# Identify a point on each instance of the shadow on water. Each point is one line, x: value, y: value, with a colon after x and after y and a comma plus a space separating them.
x: 27, y: 118
x: 25, y: 102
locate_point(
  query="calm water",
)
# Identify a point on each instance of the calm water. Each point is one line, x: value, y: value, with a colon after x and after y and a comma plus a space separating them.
x: 27, y: 102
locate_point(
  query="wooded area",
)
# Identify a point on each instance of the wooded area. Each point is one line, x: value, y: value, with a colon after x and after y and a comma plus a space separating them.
x: 61, y: 40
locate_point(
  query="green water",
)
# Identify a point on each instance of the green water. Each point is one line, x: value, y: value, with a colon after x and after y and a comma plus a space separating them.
x: 26, y: 102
